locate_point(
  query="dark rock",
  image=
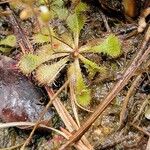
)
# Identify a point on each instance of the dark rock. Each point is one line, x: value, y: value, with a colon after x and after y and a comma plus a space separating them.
x: 19, y: 98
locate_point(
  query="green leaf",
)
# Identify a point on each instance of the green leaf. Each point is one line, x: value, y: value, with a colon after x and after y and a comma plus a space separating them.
x: 62, y: 13
x: 67, y: 38
x: 93, y: 67
x: 60, y: 46
x: 5, y: 49
x: 76, y: 22
x: 42, y: 2
x: 10, y: 40
x: 7, y: 44
x: 81, y: 7
x: 58, y: 3
x: 59, y: 9
x: 111, y: 46
x: 47, y: 31
x: 40, y: 38
x: 46, y: 74
x: 83, y: 93
x: 45, y: 53
x: 28, y: 63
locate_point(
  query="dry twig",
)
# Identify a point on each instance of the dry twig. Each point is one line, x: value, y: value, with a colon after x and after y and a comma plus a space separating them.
x: 127, y: 98
x: 141, y: 129
x: 30, y: 124
x: 23, y: 41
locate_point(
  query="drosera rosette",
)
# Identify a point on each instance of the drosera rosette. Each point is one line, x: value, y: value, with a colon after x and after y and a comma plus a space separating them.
x: 67, y: 52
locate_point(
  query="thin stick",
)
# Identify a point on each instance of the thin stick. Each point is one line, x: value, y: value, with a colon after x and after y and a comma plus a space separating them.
x: 12, y: 147
x: 105, y: 22
x: 126, y: 101
x: 141, y: 110
x: 141, y: 56
x: 141, y: 129
x: 19, y: 32
x: 72, y: 99
x: 30, y: 124
x: 43, y: 113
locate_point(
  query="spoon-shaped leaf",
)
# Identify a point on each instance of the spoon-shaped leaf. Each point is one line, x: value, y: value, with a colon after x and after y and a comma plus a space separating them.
x: 81, y: 7
x: 93, y: 67
x: 110, y: 46
x: 45, y: 53
x: 10, y: 40
x: 60, y: 46
x: 29, y: 62
x: 40, y: 38
x: 7, y: 44
x: 46, y: 74
x: 83, y: 94
x: 76, y: 22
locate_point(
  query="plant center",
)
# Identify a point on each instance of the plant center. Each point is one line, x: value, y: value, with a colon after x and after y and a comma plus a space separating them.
x: 75, y: 53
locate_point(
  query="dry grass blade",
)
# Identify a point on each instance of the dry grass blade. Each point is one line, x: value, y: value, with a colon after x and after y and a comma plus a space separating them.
x: 69, y: 122
x: 141, y: 56
x: 73, y: 99
x: 30, y: 124
x: 12, y: 147
x: 80, y: 145
x: 81, y: 107
x: 141, y: 129
x: 4, y: 13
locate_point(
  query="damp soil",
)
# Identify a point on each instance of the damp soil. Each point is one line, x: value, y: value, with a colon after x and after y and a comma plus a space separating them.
x: 105, y: 133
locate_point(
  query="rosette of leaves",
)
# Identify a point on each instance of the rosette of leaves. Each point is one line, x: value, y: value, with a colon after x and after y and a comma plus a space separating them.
x: 68, y: 53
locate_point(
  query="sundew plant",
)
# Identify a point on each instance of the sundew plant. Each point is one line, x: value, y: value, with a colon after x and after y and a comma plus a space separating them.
x: 64, y: 51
